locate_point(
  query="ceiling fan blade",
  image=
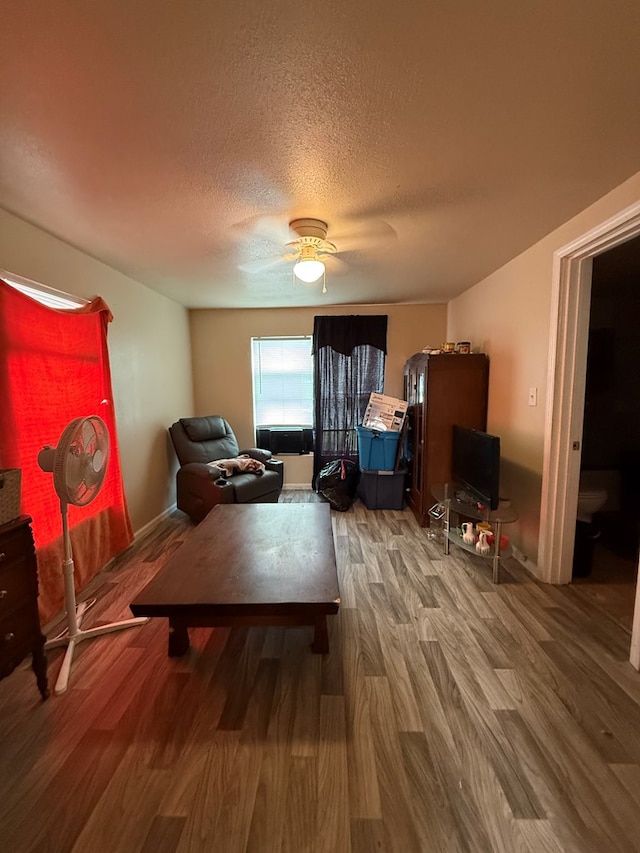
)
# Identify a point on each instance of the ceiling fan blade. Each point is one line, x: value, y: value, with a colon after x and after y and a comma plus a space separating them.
x: 404, y: 203
x: 335, y: 265
x: 261, y: 264
x: 274, y: 228
x: 364, y: 236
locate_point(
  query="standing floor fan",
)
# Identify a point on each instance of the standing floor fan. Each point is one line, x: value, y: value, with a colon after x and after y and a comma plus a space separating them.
x: 78, y: 465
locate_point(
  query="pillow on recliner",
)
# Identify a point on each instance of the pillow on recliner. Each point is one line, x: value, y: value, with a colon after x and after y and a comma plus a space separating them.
x: 204, y: 429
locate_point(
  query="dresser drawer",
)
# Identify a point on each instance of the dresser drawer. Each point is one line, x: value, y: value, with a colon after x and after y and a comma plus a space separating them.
x: 16, y: 585
x: 18, y: 630
x: 14, y: 545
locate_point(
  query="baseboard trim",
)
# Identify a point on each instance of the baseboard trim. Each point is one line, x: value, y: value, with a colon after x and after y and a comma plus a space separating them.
x: 139, y: 535
x: 291, y: 487
x: 525, y: 562
x: 150, y: 526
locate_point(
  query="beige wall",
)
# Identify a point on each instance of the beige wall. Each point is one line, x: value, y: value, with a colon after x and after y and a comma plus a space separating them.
x: 157, y: 378
x: 221, y: 347
x: 508, y: 316
x: 149, y: 351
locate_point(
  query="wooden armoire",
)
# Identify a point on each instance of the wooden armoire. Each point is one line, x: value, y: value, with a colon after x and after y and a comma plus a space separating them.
x: 441, y: 390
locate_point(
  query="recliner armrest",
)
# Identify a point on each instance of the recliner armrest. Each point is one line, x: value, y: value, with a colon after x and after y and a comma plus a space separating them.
x: 200, y: 487
x: 257, y: 453
x: 201, y: 478
x: 276, y: 465
x: 200, y: 470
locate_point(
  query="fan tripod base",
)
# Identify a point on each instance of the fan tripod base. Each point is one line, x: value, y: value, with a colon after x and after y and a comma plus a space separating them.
x: 75, y: 635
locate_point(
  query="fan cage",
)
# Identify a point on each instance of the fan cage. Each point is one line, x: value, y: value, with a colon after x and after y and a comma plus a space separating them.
x: 73, y: 433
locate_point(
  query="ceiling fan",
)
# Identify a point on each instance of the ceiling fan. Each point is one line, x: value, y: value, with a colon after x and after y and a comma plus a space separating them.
x: 308, y: 247
x: 309, y: 250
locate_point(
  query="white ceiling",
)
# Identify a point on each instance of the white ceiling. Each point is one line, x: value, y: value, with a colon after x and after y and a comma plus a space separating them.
x: 174, y: 140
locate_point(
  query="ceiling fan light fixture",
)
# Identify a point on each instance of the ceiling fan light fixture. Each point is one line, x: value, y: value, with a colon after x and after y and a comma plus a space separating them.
x: 308, y: 270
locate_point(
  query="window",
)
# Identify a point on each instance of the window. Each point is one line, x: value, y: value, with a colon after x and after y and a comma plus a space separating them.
x: 46, y: 295
x: 282, y: 381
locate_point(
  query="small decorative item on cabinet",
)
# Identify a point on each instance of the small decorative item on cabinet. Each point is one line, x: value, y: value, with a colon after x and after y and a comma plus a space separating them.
x: 468, y: 533
x: 482, y: 545
x: 436, y: 514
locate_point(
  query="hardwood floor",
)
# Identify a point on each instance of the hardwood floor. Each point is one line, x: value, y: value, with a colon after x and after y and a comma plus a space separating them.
x: 450, y: 715
x: 611, y: 584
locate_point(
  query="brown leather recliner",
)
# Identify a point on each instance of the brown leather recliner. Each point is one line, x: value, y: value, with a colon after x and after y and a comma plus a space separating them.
x: 200, y: 486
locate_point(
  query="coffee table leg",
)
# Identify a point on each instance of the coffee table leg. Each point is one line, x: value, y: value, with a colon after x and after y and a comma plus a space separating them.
x: 178, y: 639
x: 320, y: 643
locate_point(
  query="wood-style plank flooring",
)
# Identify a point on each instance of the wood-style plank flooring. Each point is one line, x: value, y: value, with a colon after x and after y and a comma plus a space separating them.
x: 450, y: 715
x: 612, y: 583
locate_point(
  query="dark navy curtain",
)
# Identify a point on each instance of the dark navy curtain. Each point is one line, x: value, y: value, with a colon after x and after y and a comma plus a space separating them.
x: 349, y: 354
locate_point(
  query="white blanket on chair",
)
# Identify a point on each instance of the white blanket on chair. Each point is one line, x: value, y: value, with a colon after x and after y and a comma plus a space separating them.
x: 240, y: 463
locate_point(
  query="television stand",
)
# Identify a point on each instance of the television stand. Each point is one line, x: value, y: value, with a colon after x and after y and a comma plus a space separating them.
x: 457, y: 502
x: 462, y: 496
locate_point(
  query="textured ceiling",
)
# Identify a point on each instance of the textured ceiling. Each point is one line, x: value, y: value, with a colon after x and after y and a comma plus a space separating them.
x: 175, y: 140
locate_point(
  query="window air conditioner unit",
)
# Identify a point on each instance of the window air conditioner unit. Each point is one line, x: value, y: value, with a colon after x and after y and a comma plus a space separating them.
x: 285, y: 439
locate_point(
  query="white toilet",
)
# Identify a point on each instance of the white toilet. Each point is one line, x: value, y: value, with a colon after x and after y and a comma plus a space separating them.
x: 592, y: 495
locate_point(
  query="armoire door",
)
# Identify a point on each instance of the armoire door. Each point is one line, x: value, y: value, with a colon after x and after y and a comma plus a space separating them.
x: 441, y: 390
x: 415, y: 391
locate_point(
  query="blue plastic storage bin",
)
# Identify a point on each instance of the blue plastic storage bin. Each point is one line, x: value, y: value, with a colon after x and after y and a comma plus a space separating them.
x: 377, y: 450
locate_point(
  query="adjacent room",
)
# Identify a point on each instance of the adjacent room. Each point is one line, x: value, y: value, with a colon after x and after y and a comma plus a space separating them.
x: 199, y: 648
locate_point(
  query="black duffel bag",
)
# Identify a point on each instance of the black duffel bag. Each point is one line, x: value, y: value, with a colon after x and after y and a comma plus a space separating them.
x: 337, y: 481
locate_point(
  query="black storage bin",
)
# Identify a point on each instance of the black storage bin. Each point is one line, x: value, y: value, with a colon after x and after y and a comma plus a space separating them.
x: 382, y: 489
x: 586, y: 535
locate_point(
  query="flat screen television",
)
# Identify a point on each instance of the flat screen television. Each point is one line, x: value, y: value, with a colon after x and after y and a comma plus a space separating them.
x: 475, y: 464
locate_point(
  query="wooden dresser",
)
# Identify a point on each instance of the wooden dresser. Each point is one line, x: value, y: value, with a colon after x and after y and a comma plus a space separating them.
x: 20, y: 632
x: 441, y: 390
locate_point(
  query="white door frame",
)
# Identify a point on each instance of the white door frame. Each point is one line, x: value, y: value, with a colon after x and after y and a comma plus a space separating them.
x: 568, y: 339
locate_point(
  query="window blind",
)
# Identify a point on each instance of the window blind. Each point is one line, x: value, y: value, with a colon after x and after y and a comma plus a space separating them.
x: 282, y: 370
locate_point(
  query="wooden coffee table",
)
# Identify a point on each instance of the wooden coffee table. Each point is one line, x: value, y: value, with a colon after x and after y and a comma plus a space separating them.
x: 249, y: 564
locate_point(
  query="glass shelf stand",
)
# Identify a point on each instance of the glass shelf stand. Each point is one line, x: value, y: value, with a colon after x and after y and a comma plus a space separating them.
x: 449, y: 496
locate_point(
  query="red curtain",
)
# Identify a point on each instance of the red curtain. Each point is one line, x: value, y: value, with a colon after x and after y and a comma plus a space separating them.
x: 54, y: 367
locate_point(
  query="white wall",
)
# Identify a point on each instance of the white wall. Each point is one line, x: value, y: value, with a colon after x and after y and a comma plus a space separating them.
x: 508, y: 316
x: 149, y: 351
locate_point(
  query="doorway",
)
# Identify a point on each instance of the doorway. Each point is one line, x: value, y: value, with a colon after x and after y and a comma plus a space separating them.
x: 605, y: 559
x: 569, y: 332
